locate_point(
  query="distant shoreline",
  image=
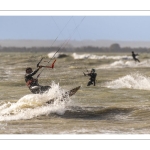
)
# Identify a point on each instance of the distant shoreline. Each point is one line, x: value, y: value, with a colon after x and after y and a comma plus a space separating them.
x: 72, y: 43
x: 114, y: 48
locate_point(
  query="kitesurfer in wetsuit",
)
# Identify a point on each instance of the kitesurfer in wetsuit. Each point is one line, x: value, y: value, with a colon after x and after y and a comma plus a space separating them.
x: 134, y: 56
x: 92, y: 79
x: 32, y: 83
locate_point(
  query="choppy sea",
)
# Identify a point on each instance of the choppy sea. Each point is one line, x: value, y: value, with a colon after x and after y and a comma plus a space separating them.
x: 118, y: 104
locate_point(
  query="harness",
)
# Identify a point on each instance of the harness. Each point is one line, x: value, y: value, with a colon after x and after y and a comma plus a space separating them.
x: 31, y: 82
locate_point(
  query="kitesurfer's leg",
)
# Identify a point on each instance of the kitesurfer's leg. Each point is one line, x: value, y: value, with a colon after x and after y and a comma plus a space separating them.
x: 44, y: 88
x: 94, y: 83
x: 89, y: 83
x: 35, y: 89
x: 137, y: 60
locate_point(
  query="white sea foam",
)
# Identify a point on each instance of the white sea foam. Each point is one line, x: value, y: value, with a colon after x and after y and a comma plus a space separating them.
x: 133, y: 81
x: 124, y: 64
x: 91, y: 56
x: 33, y: 105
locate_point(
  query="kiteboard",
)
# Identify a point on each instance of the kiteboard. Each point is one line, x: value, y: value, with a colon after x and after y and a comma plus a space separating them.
x: 68, y: 93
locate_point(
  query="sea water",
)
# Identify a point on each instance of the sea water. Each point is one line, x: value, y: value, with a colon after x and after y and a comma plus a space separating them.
x: 118, y: 104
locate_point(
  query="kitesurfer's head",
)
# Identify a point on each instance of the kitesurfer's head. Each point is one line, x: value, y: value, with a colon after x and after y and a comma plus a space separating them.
x: 28, y: 70
x: 93, y: 70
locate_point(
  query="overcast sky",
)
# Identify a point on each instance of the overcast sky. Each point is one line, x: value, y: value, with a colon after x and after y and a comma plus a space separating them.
x: 124, y: 28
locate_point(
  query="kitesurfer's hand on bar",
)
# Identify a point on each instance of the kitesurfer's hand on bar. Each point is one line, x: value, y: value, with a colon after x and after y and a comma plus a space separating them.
x: 40, y: 67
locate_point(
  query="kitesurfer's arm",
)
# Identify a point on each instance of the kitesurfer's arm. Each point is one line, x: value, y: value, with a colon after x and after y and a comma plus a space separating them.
x: 34, y: 72
x: 88, y: 74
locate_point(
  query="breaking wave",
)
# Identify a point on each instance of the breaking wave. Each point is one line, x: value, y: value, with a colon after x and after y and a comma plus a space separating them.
x: 125, y: 64
x: 133, y: 81
x: 57, y: 55
x: 33, y: 105
x: 91, y: 56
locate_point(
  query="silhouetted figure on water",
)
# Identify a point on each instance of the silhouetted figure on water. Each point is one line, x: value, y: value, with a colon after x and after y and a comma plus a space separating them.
x: 92, y: 79
x: 134, y: 56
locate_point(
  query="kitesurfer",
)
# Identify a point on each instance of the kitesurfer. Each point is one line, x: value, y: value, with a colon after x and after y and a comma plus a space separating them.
x: 134, y: 56
x: 92, y: 78
x: 32, y: 83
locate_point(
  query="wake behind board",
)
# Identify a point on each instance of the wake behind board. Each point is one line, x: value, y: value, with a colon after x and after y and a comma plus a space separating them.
x: 68, y: 93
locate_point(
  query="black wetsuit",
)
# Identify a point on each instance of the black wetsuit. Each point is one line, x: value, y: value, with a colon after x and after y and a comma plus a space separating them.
x: 134, y: 56
x: 92, y: 78
x: 33, y: 83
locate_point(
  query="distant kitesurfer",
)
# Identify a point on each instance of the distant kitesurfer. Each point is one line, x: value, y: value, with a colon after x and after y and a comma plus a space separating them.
x: 32, y: 83
x: 92, y: 79
x: 134, y: 56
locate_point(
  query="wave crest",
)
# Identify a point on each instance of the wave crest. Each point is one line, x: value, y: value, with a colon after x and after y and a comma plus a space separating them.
x: 33, y: 105
x: 134, y: 81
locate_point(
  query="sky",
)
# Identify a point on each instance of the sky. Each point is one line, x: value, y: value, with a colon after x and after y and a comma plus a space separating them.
x: 122, y: 28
